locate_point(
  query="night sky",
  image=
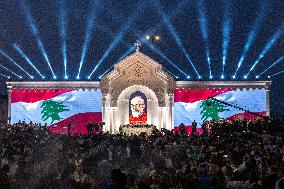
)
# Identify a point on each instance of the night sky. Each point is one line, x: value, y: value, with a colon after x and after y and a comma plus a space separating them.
x: 196, y: 38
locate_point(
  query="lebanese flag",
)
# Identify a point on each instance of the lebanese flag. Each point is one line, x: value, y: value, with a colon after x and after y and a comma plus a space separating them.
x: 190, y: 105
x: 56, y: 108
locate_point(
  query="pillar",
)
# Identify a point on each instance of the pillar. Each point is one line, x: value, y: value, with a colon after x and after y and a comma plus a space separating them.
x: 170, y: 123
x: 267, y: 90
x: 104, y: 118
x: 9, y: 103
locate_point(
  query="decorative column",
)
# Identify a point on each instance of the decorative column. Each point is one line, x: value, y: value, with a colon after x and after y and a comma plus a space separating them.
x: 267, y: 90
x: 170, y: 127
x: 104, y: 96
x: 9, y: 90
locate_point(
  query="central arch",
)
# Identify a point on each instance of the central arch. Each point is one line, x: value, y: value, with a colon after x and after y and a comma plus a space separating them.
x: 122, y: 111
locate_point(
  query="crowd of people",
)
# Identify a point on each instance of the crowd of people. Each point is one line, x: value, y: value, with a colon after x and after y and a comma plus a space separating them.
x: 228, y: 154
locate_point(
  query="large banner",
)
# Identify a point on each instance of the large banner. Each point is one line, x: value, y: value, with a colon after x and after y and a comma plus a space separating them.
x: 137, y: 108
x: 56, y: 108
x: 190, y: 105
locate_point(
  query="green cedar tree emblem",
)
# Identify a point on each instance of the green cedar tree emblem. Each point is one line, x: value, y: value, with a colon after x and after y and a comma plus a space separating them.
x: 211, y: 109
x: 51, y: 109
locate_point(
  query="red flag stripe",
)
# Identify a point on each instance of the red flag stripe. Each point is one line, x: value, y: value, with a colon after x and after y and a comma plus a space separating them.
x: 78, y: 123
x: 34, y: 95
x: 193, y: 95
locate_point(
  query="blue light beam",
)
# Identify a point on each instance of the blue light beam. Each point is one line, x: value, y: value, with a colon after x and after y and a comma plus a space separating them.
x: 160, y: 53
x: 19, y: 50
x: 226, y: 41
x: 118, y: 38
x: 272, y: 65
x: 131, y: 49
x: 226, y: 35
x: 8, y: 77
x: 5, y: 68
x: 204, y: 31
x: 253, y: 32
x: 88, y: 35
x: 36, y: 34
x: 63, y: 33
x: 268, y: 46
x: 278, y: 73
x: 174, y: 34
x: 14, y: 62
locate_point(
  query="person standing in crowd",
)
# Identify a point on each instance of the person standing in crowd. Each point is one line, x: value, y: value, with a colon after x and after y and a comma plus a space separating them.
x: 90, y: 128
x: 194, y: 125
x: 69, y: 127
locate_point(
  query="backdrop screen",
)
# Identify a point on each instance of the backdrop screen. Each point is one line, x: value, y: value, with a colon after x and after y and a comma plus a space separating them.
x: 190, y: 105
x: 56, y: 108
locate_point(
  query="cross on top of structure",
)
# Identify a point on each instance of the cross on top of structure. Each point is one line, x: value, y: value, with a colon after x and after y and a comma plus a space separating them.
x: 137, y: 44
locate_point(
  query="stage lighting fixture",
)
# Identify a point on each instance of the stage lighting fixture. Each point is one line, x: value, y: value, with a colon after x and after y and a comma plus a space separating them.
x: 78, y: 77
x: 176, y: 77
x: 199, y: 77
x: 211, y: 77
x: 188, y: 77
x: 147, y: 37
x: 8, y: 77
x: 234, y: 77
x: 257, y: 77
x: 222, y: 77
x: 32, y: 77
x: 43, y: 77
x: 100, y: 77
x: 54, y: 77
x: 157, y: 37
x: 89, y: 77
x: 269, y: 77
x: 245, y: 76
x: 65, y: 77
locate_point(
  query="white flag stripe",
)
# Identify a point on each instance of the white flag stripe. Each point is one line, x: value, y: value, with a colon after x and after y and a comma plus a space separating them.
x: 252, y: 100
x: 80, y: 101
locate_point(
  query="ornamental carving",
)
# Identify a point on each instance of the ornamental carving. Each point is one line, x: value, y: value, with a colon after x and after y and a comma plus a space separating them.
x: 137, y: 69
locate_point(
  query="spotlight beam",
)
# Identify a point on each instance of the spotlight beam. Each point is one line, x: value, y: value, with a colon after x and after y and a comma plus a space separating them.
x: 88, y: 35
x: 160, y: 53
x: 272, y: 65
x: 175, y: 11
x: 5, y: 68
x: 204, y: 31
x: 63, y: 33
x: 174, y: 34
x: 8, y: 77
x: 131, y: 49
x: 14, y: 62
x: 118, y: 38
x: 226, y: 35
x: 21, y: 52
x: 268, y: 46
x: 276, y: 74
x: 262, y: 12
x: 36, y: 34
